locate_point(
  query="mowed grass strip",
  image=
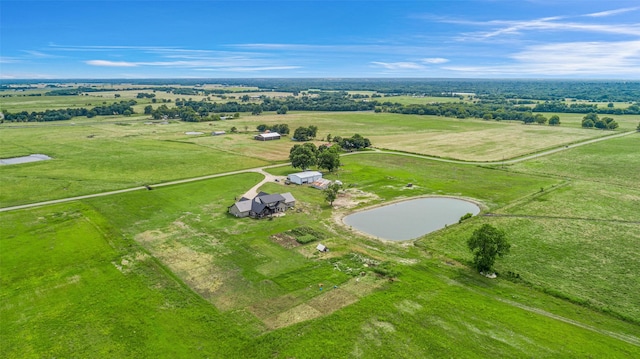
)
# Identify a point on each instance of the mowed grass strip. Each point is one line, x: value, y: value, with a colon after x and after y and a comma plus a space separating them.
x: 611, y: 162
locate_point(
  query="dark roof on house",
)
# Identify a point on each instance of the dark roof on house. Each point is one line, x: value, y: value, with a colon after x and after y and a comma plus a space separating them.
x: 271, y: 198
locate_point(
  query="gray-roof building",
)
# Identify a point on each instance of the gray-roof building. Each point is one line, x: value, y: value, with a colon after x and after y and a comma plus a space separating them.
x: 262, y: 205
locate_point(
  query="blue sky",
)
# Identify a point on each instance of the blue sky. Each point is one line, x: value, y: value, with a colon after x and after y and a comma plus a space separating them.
x: 241, y: 39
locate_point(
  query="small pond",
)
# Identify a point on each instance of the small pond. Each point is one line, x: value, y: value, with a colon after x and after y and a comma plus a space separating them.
x: 24, y: 159
x: 412, y: 218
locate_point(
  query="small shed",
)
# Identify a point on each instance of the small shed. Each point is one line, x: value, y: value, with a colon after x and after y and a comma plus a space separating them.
x: 304, y: 177
x: 218, y: 133
x: 267, y: 136
x: 322, y: 248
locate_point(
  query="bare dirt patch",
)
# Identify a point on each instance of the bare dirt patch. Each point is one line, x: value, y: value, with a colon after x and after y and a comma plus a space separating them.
x: 285, y: 240
x: 352, y: 197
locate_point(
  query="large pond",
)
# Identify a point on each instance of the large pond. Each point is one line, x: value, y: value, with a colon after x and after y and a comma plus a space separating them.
x: 410, y: 219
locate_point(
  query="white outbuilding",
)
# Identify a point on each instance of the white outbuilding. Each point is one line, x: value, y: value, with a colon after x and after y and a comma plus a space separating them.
x: 268, y: 136
x: 304, y: 177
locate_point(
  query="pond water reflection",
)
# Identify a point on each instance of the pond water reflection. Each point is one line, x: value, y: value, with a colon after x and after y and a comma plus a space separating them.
x: 412, y: 218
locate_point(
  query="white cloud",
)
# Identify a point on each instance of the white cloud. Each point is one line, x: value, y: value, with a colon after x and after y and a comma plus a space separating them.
x: 250, y: 69
x: 9, y: 60
x: 612, y: 12
x: 435, y: 60
x: 107, y: 63
x: 564, y: 59
x: 399, y: 65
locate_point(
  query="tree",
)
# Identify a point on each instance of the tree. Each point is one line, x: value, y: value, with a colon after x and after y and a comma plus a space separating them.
x: 486, y: 243
x: 283, y: 110
x: 234, y: 129
x: 638, y: 128
x: 590, y: 120
x: 610, y: 123
x: 303, y: 156
x: 302, y: 134
x: 148, y: 109
x: 554, y: 120
x: 313, y: 131
x: 331, y: 193
x: 540, y: 119
x: 257, y: 109
x: 262, y: 127
x: 329, y: 158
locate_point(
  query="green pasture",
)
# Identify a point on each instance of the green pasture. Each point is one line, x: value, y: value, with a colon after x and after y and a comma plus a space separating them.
x: 577, y: 240
x: 101, y: 154
x: 168, y: 273
x: 611, y: 162
x: 101, y: 157
x: 474, y: 139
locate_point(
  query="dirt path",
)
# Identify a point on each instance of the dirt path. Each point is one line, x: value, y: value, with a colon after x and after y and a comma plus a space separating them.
x: 268, y: 177
x: 261, y: 171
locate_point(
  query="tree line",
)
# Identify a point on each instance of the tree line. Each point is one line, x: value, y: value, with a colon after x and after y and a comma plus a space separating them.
x: 120, y: 108
x: 475, y: 110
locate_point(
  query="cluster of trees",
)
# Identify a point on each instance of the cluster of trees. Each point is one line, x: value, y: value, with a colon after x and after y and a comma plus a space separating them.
x: 557, y: 106
x: 464, y: 110
x: 120, y: 108
x: 186, y: 114
x: 307, y: 154
x: 354, y: 143
x: 497, y: 91
x: 305, y: 133
x: 338, y: 101
x: 282, y: 129
x: 487, y: 90
x: 145, y: 95
x: 592, y: 120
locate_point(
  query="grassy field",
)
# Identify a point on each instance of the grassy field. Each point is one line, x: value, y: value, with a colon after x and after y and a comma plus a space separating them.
x: 101, y: 157
x: 168, y: 273
x: 105, y: 154
x: 578, y: 240
x: 475, y: 140
x: 104, y: 278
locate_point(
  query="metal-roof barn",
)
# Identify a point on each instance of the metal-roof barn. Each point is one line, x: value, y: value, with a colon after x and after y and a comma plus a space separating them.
x: 304, y: 177
x: 267, y: 136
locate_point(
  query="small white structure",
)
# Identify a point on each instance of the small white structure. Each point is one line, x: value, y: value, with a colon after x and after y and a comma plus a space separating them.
x: 304, y: 177
x: 322, y: 248
x: 267, y: 136
x: 218, y: 133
